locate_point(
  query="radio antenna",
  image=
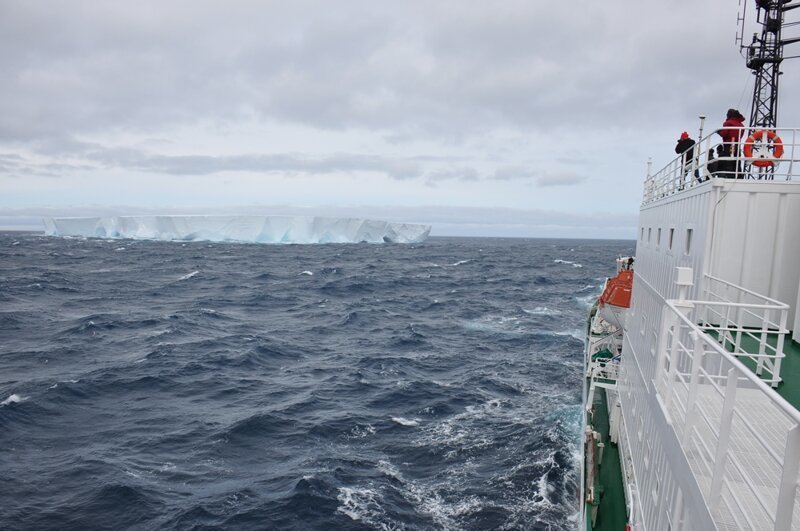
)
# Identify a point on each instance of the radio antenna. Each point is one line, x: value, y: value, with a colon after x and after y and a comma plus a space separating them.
x: 764, y: 57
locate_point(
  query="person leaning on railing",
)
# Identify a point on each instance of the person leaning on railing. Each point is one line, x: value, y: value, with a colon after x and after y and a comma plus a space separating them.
x: 685, y: 146
x: 731, y: 133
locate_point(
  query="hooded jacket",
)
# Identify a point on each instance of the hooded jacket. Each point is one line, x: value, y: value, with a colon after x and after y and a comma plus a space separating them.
x: 685, y: 146
x: 729, y: 133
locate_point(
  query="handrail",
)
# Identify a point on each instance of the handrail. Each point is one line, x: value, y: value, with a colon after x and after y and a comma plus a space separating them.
x: 779, y: 401
x: 752, y: 319
x: 745, y: 290
x: 713, y: 422
x: 711, y: 158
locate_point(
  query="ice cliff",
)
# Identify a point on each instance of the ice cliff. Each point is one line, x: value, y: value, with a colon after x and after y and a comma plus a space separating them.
x: 255, y: 229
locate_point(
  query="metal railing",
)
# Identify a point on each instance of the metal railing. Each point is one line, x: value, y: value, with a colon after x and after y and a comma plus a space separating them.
x: 606, y: 368
x: 610, y: 341
x: 741, y: 318
x: 741, y: 438
x: 712, y: 158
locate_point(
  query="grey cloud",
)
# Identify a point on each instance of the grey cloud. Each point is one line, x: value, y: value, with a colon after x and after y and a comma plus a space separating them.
x: 507, y: 173
x: 458, y: 174
x: 80, y: 67
x: 288, y: 163
x: 396, y: 168
x: 560, y: 179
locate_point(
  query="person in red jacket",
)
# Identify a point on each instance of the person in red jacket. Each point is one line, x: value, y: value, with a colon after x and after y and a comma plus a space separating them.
x: 731, y: 133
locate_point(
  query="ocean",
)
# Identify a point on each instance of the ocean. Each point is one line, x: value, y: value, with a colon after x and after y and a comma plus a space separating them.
x: 196, y: 385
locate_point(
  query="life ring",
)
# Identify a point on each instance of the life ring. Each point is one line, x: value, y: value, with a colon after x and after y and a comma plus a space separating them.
x: 764, y: 160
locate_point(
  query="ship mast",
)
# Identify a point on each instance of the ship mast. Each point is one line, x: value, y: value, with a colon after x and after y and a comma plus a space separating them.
x: 764, y: 57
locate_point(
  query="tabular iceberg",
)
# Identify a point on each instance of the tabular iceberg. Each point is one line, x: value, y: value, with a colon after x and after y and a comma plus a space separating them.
x: 253, y: 229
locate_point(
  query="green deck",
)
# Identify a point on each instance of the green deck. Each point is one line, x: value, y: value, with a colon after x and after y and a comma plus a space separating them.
x: 790, y: 372
x: 790, y: 368
x: 611, y: 514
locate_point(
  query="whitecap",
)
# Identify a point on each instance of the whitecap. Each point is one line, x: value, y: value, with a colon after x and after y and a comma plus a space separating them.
x: 576, y: 333
x: 461, y: 262
x: 308, y: 273
x: 120, y: 249
x: 361, y: 505
x: 361, y: 432
x: 406, y: 422
x: 567, y: 262
x: 586, y: 301
x: 13, y: 399
x: 389, y: 469
x: 189, y: 275
x: 542, y: 310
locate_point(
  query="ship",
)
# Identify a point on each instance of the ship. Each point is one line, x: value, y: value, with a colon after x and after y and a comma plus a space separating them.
x: 692, y: 360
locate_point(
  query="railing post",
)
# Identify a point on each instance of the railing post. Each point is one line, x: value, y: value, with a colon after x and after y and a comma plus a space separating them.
x: 697, y: 361
x: 723, y: 442
x: 673, y: 365
x: 668, y: 322
x: 762, y: 342
x: 786, y: 494
x: 677, y: 511
x: 779, y: 349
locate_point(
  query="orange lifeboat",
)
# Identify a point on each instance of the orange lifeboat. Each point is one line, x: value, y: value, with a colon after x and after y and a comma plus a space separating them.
x: 618, y: 290
x: 613, y: 304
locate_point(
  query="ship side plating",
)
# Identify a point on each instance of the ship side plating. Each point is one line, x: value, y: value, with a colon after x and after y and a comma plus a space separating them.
x: 701, y: 354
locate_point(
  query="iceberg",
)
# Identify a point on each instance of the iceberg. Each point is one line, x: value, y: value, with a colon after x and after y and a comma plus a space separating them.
x: 246, y: 229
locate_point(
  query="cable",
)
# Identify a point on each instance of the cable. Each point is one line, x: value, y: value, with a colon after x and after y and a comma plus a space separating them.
x: 744, y: 90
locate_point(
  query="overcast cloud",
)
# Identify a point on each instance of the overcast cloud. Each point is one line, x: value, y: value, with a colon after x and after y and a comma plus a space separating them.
x: 479, y: 108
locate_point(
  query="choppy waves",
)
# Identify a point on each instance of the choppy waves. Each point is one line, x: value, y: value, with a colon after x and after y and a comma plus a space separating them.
x: 295, y: 387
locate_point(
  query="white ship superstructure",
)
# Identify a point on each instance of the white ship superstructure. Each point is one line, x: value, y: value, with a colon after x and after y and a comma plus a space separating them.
x: 693, y: 392
x: 710, y: 442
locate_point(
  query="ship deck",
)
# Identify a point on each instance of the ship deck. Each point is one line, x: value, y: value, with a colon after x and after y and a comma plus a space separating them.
x: 738, y: 508
x: 611, y: 515
x: 790, y: 372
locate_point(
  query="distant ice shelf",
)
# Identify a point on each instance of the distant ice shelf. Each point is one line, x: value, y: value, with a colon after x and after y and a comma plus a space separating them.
x: 249, y: 229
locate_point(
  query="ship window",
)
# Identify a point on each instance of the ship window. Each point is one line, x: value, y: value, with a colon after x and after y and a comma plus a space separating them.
x: 658, y: 237
x: 642, y: 235
x: 649, y: 233
x: 688, y: 241
x: 671, y: 237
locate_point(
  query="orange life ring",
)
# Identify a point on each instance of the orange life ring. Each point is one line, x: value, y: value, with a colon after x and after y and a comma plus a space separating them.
x: 777, y: 148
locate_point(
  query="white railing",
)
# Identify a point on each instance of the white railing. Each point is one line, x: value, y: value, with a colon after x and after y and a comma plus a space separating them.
x: 610, y: 342
x: 742, y: 439
x: 710, y: 161
x: 741, y: 319
x: 607, y: 368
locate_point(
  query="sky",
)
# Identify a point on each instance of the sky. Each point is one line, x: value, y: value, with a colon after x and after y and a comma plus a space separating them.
x: 512, y: 118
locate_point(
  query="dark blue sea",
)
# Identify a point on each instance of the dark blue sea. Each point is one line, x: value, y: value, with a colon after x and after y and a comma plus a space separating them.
x: 195, y: 385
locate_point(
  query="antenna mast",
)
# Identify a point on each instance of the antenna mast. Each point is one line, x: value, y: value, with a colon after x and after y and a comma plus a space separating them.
x: 764, y: 57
